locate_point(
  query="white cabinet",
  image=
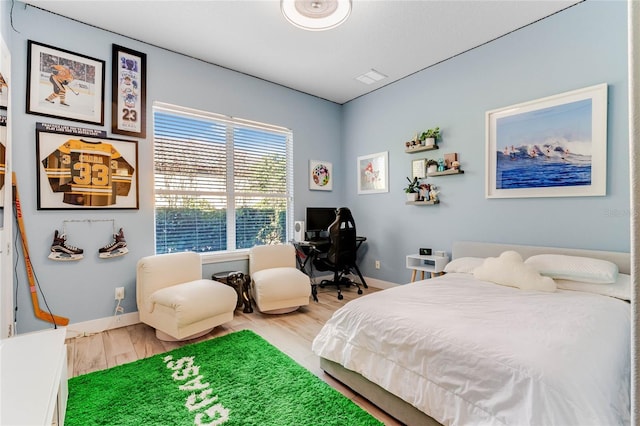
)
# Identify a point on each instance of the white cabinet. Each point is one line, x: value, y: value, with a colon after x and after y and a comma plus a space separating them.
x: 33, y: 390
x: 433, y: 264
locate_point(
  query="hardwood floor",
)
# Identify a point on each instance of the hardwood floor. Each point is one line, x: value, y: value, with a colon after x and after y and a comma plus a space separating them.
x: 291, y: 333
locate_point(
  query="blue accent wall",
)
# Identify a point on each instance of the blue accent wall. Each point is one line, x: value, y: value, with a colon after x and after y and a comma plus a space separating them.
x: 84, y: 290
x: 582, y: 46
x: 579, y: 47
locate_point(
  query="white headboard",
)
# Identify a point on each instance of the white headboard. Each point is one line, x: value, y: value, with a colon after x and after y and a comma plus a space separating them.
x: 479, y: 249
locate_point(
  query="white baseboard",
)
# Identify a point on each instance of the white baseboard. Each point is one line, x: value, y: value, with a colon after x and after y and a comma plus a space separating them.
x: 372, y: 282
x: 87, y: 328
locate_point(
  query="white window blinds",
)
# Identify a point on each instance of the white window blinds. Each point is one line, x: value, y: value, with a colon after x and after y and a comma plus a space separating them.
x: 221, y: 183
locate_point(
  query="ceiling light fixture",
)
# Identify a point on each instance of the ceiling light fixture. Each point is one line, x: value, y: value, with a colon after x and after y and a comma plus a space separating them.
x: 316, y: 15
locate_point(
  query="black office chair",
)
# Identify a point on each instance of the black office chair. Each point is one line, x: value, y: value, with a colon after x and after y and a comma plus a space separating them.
x: 341, y: 256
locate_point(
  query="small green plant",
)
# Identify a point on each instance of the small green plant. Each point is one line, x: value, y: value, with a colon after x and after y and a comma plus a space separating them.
x: 432, y: 163
x: 413, y: 185
x: 431, y: 133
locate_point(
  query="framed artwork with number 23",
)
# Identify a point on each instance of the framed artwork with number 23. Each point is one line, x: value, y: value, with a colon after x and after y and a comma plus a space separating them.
x: 128, y: 102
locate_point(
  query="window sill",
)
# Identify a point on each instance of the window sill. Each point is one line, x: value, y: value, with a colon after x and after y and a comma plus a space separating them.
x: 227, y: 256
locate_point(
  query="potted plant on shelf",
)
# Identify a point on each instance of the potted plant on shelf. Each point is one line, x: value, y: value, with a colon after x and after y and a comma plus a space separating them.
x: 432, y: 166
x: 412, y: 189
x: 430, y: 136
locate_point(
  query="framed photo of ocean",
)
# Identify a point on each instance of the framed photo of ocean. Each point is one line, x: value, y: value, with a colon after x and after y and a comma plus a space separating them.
x: 550, y: 147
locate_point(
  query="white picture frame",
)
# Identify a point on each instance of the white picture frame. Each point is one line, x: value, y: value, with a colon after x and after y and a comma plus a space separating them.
x: 419, y: 168
x: 549, y: 147
x: 373, y: 173
x: 320, y: 175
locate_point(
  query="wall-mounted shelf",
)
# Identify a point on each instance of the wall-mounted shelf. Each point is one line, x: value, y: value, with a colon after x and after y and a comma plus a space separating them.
x: 446, y: 173
x: 420, y: 148
x: 422, y: 203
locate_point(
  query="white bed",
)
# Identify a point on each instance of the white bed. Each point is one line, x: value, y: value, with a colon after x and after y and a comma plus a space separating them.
x: 465, y: 351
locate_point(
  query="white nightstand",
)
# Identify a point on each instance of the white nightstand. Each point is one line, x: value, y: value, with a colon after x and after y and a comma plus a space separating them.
x: 433, y: 264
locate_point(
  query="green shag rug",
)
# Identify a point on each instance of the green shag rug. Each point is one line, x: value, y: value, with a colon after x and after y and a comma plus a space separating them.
x: 237, y: 379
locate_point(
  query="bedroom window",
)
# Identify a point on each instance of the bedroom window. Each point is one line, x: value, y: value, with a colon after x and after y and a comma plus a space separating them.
x: 221, y: 183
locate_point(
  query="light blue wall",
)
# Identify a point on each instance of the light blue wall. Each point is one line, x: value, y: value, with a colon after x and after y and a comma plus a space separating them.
x: 580, y: 47
x: 84, y: 290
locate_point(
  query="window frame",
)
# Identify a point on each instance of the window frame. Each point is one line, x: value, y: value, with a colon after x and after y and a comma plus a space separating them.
x: 231, y: 254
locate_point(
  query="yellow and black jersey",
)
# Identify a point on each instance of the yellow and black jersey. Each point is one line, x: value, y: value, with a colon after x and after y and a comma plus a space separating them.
x: 61, y: 74
x: 89, y: 174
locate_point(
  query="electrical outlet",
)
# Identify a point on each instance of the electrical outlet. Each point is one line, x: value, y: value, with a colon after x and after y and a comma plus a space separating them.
x: 119, y: 293
x: 377, y: 264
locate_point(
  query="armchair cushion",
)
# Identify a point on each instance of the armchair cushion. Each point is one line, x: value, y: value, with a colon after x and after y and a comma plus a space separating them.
x: 272, y: 256
x: 195, y: 300
x: 281, y: 283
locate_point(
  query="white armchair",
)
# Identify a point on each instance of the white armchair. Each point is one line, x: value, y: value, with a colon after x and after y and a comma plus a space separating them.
x: 174, y: 299
x: 277, y: 286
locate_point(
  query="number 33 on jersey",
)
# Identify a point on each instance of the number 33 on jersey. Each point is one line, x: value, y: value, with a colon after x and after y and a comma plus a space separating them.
x: 90, y: 174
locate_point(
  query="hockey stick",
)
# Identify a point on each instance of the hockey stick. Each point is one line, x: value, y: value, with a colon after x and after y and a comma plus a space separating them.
x: 39, y: 313
x: 74, y: 92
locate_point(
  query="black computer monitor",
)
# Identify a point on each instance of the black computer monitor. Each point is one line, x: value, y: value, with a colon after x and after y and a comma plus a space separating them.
x: 319, y: 218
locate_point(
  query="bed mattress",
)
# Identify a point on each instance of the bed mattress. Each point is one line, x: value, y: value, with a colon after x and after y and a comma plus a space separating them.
x: 466, y: 351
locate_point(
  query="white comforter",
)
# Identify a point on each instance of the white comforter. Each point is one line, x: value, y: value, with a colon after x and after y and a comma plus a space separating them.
x: 470, y: 352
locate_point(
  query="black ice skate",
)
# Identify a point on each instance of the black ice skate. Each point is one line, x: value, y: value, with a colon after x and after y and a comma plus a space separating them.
x: 61, y: 251
x: 117, y: 248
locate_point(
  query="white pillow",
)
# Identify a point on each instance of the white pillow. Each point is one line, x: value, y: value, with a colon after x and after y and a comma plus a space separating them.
x: 509, y: 269
x: 576, y: 268
x: 464, y: 265
x: 621, y: 289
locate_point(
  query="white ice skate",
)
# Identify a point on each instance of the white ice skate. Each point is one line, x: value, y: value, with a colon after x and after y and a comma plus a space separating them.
x: 60, y: 250
x: 117, y: 248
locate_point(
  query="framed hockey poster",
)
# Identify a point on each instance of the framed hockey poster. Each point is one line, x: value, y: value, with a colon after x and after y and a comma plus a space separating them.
x: 128, y: 96
x: 83, y: 169
x: 4, y: 92
x: 3, y: 153
x: 64, y: 84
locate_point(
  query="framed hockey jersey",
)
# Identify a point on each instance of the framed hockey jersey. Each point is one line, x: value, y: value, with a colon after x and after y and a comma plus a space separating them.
x: 83, y: 169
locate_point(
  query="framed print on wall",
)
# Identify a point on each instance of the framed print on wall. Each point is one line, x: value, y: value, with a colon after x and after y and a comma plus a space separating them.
x: 129, y: 91
x: 4, y: 92
x: 373, y: 174
x: 419, y: 168
x: 550, y: 147
x: 320, y: 175
x: 64, y: 84
x: 3, y: 153
x: 83, y: 169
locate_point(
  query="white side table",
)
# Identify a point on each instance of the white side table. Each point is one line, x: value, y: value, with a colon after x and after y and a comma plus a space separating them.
x: 433, y: 264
